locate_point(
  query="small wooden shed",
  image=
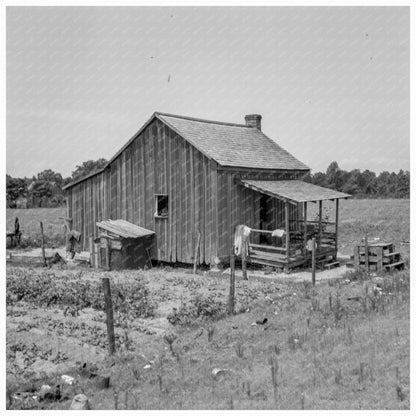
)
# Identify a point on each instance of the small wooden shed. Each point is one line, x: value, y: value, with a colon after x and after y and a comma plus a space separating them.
x: 124, y: 245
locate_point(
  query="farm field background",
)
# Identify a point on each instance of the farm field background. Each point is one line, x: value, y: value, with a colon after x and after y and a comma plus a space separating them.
x: 344, y: 344
x: 387, y: 219
x: 53, y: 225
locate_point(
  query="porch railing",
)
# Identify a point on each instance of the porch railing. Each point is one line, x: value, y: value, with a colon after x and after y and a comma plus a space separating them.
x: 325, y: 239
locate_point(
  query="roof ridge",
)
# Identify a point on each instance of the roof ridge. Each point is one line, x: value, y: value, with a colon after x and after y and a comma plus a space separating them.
x: 201, y: 120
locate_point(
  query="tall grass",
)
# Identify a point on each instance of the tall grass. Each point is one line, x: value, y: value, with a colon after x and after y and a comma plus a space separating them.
x: 342, y: 356
x: 29, y: 225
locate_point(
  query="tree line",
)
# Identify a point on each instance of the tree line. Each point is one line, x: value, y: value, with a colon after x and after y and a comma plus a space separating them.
x: 45, y: 189
x: 364, y: 184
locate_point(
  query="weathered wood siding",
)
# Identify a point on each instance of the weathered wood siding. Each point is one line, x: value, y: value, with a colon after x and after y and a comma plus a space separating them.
x: 240, y: 205
x: 158, y: 161
x: 202, y: 198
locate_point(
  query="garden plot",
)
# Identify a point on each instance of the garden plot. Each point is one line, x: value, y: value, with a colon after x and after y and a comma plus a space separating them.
x: 343, y: 344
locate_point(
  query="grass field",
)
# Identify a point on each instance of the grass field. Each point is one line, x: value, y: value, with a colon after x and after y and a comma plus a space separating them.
x: 344, y: 344
x: 53, y: 225
x: 384, y: 218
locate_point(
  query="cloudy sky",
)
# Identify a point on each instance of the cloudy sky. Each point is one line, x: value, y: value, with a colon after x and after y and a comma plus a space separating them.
x: 332, y: 83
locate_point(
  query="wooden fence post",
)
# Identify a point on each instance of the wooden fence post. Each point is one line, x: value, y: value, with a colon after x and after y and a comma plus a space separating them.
x: 244, y: 259
x: 320, y: 225
x: 287, y: 230
x: 336, y: 227
x: 109, y: 313
x: 379, y: 259
x: 366, y: 254
x: 357, y: 259
x: 232, y: 285
x: 305, y: 227
x: 313, y: 261
x: 43, y: 244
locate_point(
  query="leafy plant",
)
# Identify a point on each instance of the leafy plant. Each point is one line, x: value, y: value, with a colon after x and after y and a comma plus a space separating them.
x: 198, y: 307
x: 45, y: 288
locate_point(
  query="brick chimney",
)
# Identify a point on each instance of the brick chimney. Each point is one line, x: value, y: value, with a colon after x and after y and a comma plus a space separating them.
x: 253, y: 120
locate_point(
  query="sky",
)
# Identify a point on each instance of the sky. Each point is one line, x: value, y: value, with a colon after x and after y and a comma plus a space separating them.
x: 331, y: 83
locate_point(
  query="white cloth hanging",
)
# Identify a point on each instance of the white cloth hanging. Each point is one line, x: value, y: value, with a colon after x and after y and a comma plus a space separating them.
x: 278, y: 233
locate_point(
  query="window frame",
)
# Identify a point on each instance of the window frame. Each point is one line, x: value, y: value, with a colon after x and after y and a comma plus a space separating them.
x: 157, y: 211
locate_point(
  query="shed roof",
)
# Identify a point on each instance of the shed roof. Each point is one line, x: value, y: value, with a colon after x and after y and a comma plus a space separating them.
x: 124, y: 229
x: 294, y: 191
x: 234, y: 145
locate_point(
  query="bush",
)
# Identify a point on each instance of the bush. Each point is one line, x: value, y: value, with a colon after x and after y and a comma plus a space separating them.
x: 198, y: 307
x: 45, y: 288
x: 353, y: 275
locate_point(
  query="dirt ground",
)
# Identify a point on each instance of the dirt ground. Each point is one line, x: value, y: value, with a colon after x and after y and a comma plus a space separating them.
x: 45, y: 343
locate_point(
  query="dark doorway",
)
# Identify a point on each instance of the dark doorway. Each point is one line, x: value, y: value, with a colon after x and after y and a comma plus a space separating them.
x: 265, y: 218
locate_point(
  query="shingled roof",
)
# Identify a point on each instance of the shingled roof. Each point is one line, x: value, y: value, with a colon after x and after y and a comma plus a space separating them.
x: 234, y: 145
x: 230, y: 145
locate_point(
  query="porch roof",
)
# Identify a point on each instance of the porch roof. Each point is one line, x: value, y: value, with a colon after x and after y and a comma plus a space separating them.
x: 293, y: 191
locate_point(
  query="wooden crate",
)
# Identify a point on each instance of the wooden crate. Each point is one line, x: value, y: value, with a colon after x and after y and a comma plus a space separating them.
x: 380, y: 256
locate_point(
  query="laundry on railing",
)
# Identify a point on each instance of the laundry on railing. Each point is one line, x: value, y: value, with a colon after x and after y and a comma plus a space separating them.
x: 309, y: 244
x: 278, y: 233
x: 242, y: 232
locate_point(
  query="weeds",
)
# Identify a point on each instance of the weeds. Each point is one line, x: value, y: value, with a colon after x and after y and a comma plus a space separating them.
x: 400, y: 393
x: 349, y: 335
x: 239, y: 350
x: 277, y: 350
x: 302, y: 401
x: 198, y: 307
x: 47, y: 289
x: 315, y: 304
x: 358, y: 274
x: 274, y: 368
x: 338, y: 376
x: 246, y: 388
x: 312, y: 338
x: 210, y: 332
x: 361, y: 373
x: 338, y: 310
x: 306, y: 289
x: 295, y: 341
x: 170, y: 338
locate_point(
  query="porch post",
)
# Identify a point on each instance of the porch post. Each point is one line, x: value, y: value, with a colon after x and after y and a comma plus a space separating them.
x: 305, y: 225
x: 320, y: 224
x: 336, y: 226
x: 287, y: 228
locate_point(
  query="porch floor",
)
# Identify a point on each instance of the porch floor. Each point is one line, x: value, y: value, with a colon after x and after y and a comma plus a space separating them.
x: 280, y: 260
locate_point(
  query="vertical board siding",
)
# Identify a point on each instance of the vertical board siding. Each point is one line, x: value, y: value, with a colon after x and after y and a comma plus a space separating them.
x: 222, y: 234
x: 201, y: 198
x: 239, y: 205
x: 158, y: 161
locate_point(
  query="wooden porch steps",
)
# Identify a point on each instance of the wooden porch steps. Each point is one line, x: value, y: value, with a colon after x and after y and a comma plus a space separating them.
x: 394, y: 254
x: 332, y: 265
x: 380, y: 255
x: 398, y: 265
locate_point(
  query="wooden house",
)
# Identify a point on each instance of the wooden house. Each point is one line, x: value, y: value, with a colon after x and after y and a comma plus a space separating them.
x: 191, y: 180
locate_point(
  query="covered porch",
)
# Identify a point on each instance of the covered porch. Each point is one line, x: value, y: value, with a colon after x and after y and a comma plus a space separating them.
x: 289, y: 245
